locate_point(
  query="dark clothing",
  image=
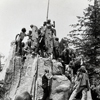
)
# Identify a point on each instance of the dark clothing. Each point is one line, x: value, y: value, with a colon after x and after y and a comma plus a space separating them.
x: 19, y: 43
x: 64, y: 67
x: 76, y: 66
x: 94, y: 95
x: 56, y: 52
x: 45, y: 87
x: 65, y: 56
x: 46, y: 93
x: 44, y: 82
x: 19, y: 47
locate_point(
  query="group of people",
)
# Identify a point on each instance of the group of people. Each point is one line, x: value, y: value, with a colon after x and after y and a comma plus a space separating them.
x: 39, y: 41
x: 79, y: 83
x: 75, y: 70
x: 43, y: 41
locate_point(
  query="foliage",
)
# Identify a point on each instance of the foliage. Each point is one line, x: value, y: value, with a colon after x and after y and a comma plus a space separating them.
x: 88, y: 28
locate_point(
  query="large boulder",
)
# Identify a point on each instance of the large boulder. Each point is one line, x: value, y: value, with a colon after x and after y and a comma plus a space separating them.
x: 27, y: 76
x: 60, y: 87
x: 54, y: 67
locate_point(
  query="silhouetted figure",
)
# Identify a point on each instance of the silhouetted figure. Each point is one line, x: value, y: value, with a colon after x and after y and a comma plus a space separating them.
x: 94, y: 93
x: 45, y: 85
x: 65, y: 54
x: 19, y: 42
x: 56, y: 48
x: 42, y: 47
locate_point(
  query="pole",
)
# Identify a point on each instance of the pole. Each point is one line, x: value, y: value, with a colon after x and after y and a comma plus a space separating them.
x: 48, y: 9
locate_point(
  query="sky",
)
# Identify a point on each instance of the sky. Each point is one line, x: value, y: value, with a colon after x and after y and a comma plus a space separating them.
x: 16, y: 14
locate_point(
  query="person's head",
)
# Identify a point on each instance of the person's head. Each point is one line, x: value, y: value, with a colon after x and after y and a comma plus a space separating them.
x: 23, y: 30
x: 65, y: 45
x: 59, y: 59
x: 82, y: 69
x: 46, y: 71
x: 31, y: 26
x: 30, y: 32
x: 71, y: 65
x: 57, y: 39
x: 48, y: 21
x: 44, y: 24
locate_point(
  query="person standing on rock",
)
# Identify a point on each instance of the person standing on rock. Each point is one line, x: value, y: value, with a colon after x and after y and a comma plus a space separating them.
x: 19, y: 41
x: 45, y: 85
x: 34, y: 38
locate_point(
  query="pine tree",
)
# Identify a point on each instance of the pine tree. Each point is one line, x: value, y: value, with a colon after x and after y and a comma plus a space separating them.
x: 88, y: 27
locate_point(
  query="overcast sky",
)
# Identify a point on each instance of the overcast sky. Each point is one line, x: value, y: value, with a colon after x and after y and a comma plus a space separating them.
x: 16, y: 14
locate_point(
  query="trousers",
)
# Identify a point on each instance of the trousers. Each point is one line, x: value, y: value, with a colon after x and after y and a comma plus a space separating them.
x: 46, y: 93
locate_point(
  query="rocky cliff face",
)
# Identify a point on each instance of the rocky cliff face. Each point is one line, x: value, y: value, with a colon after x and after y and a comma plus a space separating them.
x: 20, y: 77
x: 27, y: 76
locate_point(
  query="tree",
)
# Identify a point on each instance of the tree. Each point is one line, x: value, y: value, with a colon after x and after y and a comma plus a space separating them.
x: 86, y: 37
x: 88, y: 27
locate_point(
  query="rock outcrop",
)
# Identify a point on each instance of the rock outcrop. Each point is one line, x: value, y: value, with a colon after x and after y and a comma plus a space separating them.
x: 21, y: 77
x: 27, y: 76
x: 60, y: 87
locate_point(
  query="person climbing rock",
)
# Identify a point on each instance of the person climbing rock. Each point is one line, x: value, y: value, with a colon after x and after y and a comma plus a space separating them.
x: 19, y: 41
x: 81, y: 84
x: 45, y: 84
